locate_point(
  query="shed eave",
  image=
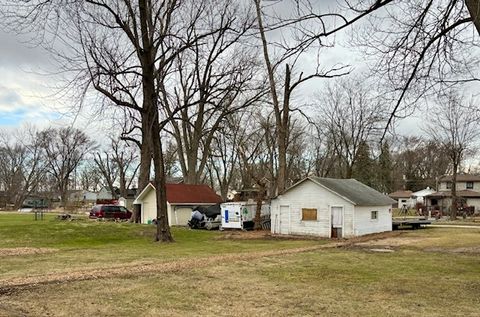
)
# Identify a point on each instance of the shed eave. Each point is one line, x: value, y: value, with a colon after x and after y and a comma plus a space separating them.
x: 143, y: 193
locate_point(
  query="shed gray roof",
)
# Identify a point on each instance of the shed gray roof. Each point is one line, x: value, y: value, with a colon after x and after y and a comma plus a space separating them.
x: 355, y: 191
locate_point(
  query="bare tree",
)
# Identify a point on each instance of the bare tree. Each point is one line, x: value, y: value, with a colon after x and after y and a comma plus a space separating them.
x: 22, y: 164
x: 124, y: 50
x: 65, y: 148
x: 423, y: 48
x: 126, y: 160
x: 421, y: 42
x: 108, y: 168
x: 90, y: 177
x: 454, y: 126
x: 223, y: 155
x: 348, y: 116
x: 216, y: 77
x: 281, y: 101
x: 416, y: 163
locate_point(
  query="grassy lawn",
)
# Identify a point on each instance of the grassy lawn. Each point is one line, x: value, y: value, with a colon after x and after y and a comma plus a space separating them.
x: 432, y: 272
x: 87, y: 244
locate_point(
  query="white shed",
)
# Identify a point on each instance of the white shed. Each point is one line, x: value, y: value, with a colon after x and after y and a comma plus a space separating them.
x: 181, y: 200
x: 328, y: 207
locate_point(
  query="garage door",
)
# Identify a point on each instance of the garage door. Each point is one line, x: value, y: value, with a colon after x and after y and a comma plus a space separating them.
x: 181, y: 215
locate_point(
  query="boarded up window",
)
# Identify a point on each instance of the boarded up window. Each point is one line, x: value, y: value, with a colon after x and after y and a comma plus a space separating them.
x: 374, y: 215
x: 309, y: 214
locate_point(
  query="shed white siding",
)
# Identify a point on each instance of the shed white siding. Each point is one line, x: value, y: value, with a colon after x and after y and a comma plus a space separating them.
x: 364, y: 224
x: 149, y: 208
x: 309, y: 195
x: 286, y: 213
x: 179, y: 215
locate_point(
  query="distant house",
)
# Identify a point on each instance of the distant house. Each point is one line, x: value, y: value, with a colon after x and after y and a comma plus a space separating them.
x: 328, y: 207
x: 467, y: 190
x: 36, y: 201
x: 83, y: 196
x: 403, y: 198
x: 420, y: 196
x: 181, y: 200
x: 104, y: 194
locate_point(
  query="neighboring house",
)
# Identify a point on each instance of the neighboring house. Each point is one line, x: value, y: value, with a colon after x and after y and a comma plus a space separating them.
x: 403, y: 198
x: 464, y: 182
x: 181, y: 200
x: 468, y: 193
x: 104, y: 194
x: 83, y: 196
x: 419, y: 196
x: 36, y: 201
x: 328, y: 207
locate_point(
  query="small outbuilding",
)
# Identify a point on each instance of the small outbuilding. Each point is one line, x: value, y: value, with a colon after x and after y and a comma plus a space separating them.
x: 331, y: 208
x: 403, y: 199
x: 181, y: 200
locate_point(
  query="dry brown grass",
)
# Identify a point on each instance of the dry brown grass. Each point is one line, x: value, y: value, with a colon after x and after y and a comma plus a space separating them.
x: 340, y: 278
x: 25, y: 251
x: 325, y: 282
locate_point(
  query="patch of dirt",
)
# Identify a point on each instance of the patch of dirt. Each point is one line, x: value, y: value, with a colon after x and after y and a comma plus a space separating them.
x: 25, y: 251
x: 390, y: 239
x: 266, y: 234
x: 263, y: 235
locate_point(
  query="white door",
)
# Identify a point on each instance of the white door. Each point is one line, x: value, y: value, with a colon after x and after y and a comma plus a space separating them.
x: 337, y: 222
x: 181, y: 216
x: 284, y: 220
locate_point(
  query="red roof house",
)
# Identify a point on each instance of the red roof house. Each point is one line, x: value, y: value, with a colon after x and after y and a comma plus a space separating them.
x: 181, y: 199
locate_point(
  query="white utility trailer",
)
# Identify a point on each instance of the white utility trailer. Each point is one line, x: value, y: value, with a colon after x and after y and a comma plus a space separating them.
x: 241, y: 215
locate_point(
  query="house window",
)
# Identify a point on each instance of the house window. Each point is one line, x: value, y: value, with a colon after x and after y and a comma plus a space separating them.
x: 374, y: 215
x: 449, y: 185
x: 309, y: 214
x: 469, y: 185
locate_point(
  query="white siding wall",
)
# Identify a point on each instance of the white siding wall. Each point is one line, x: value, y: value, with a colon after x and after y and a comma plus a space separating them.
x: 179, y: 215
x: 365, y: 225
x: 309, y: 195
x: 104, y: 194
x: 149, y: 210
x: 474, y: 202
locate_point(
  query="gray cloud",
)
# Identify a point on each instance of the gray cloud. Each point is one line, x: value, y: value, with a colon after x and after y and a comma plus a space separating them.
x: 15, y: 52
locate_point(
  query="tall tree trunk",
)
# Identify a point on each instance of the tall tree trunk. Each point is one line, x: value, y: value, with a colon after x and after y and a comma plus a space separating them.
x: 474, y: 9
x: 453, y: 211
x: 282, y: 122
x: 123, y: 182
x: 258, y: 212
x: 163, y: 229
x: 19, y: 201
x: 279, y: 120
